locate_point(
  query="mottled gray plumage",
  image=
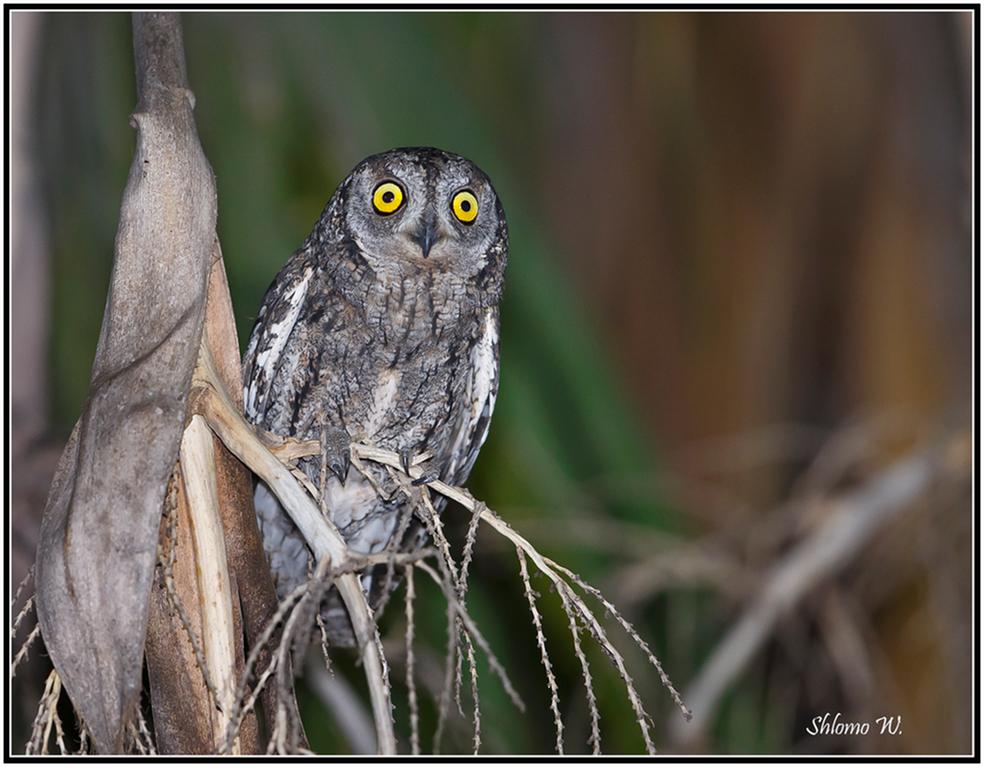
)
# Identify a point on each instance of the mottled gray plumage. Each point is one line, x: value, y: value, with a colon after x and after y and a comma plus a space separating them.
x: 384, y: 329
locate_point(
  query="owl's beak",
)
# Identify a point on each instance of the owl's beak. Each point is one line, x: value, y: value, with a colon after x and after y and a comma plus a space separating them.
x: 427, y: 235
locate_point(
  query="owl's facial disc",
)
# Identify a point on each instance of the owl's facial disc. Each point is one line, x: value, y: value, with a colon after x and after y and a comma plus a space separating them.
x: 422, y: 209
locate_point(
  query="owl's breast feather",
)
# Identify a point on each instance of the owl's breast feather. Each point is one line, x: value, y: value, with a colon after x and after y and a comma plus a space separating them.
x: 384, y: 398
x: 357, y: 502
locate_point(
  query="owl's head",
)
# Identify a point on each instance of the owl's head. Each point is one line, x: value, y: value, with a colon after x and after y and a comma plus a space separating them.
x: 418, y: 210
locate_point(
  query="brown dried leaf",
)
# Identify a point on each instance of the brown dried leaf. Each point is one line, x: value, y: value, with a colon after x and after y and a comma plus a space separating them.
x: 99, y: 534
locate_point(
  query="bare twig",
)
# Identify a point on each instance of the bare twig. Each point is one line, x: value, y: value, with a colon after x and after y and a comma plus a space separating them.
x: 468, y: 549
x: 59, y: 730
x: 287, y: 726
x: 20, y: 616
x: 136, y: 739
x: 214, y: 589
x: 474, y: 680
x: 642, y: 718
x: 611, y: 609
x: 145, y: 731
x: 22, y: 653
x: 544, y: 657
x: 288, y: 449
x: 20, y: 587
x: 296, y: 610
x: 242, y: 704
x: 392, y: 554
x: 323, y: 634
x: 83, y: 739
x: 480, y: 640
x: 463, y: 577
x: 415, y: 738
x: 595, y: 738
x: 47, y: 712
x: 451, y: 661
x: 421, y: 504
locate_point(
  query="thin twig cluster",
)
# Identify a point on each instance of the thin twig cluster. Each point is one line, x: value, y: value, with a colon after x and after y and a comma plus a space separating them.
x: 21, y: 654
x: 47, y: 719
x: 451, y: 577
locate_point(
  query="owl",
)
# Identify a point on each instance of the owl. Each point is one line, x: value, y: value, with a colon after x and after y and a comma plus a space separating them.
x: 383, y: 328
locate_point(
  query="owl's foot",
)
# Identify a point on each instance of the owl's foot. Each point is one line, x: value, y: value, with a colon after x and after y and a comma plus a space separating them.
x: 430, y: 473
x: 429, y: 476
x: 406, y: 458
x: 335, y: 445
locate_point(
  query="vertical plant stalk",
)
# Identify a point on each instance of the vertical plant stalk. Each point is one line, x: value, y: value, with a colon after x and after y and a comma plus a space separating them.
x: 214, y: 587
x: 179, y: 692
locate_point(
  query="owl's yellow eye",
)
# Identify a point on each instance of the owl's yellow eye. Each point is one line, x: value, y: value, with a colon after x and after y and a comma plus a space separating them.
x: 465, y: 206
x: 387, y: 198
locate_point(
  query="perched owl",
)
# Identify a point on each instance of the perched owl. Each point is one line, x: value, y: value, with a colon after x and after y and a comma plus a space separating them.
x: 383, y: 328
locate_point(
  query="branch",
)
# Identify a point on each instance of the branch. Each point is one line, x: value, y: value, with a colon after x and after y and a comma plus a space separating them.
x: 544, y: 657
x: 212, y: 402
x: 853, y: 521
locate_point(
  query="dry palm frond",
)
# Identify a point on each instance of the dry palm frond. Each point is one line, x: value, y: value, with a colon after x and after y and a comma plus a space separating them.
x: 574, y: 605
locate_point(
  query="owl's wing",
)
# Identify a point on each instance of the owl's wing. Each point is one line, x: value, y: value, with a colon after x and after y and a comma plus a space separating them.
x: 482, y: 390
x: 278, y: 315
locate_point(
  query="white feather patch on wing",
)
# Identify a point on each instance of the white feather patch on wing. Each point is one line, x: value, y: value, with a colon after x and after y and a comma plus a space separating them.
x: 483, y: 388
x: 485, y: 376
x: 276, y: 336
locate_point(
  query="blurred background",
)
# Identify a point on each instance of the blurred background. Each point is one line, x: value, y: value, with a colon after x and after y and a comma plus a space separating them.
x: 739, y: 289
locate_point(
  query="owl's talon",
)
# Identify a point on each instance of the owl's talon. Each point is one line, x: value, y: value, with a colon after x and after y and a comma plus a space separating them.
x: 405, y: 459
x: 339, y: 467
x: 428, y: 477
x: 428, y: 474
